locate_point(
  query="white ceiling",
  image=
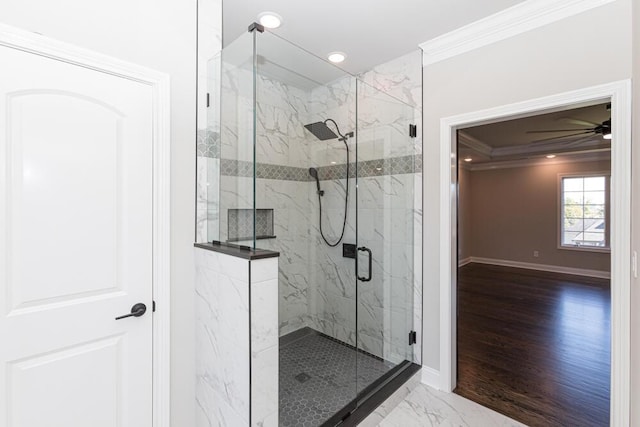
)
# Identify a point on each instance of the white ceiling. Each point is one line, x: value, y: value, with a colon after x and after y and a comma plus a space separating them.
x: 371, y: 32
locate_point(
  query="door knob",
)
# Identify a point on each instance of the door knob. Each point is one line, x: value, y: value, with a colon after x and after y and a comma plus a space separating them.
x: 136, y: 311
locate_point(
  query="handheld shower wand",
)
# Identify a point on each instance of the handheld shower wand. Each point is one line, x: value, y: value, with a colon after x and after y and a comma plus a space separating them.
x: 314, y: 174
x: 321, y: 131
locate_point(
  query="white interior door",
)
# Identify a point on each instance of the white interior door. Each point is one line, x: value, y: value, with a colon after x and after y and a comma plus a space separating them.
x: 75, y: 245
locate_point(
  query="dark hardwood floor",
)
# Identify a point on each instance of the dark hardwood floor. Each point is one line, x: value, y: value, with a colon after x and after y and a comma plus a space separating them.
x: 535, y: 345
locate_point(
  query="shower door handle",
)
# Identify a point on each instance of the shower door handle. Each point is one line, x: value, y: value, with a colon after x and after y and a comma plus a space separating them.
x: 368, y: 251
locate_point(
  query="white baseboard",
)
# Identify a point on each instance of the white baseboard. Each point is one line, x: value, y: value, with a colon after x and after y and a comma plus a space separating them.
x: 431, y: 377
x: 542, y: 267
x: 463, y: 262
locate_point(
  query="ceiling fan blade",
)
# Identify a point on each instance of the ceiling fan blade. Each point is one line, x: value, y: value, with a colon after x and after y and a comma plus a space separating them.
x: 578, y: 121
x: 583, y: 139
x: 558, y: 130
x: 562, y: 137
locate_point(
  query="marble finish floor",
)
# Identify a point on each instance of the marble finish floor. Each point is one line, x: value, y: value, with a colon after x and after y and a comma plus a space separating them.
x: 425, y: 406
x: 318, y: 377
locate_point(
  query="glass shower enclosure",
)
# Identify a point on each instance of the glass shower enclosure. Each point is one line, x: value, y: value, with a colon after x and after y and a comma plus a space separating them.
x: 308, y: 160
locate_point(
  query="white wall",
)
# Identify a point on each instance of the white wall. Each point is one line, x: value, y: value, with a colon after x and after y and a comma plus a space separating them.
x: 465, y: 190
x: 635, y: 229
x: 552, y: 59
x: 514, y: 212
x: 159, y: 34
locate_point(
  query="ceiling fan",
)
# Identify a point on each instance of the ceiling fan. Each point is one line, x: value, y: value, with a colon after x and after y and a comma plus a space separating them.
x: 590, y: 129
x: 603, y: 129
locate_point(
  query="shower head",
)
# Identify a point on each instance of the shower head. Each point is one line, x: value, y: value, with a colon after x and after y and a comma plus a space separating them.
x: 321, y: 131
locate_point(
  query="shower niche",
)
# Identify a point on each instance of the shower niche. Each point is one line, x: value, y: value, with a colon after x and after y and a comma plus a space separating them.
x: 241, y: 224
x: 299, y: 158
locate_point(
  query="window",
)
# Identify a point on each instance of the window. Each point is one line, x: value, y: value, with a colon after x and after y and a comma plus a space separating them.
x: 584, y: 212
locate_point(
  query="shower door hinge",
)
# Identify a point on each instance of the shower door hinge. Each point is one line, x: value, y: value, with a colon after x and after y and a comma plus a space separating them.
x: 255, y: 26
x: 413, y: 337
x: 208, y: 101
x: 413, y: 131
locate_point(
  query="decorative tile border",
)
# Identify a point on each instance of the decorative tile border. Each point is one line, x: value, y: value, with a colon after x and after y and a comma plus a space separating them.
x: 368, y: 168
x: 208, y: 143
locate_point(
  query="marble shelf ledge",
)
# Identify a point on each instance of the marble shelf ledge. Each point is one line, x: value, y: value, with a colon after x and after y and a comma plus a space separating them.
x: 237, y: 251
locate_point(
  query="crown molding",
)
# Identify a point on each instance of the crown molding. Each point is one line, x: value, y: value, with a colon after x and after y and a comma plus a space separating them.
x: 592, y: 156
x: 474, y: 144
x: 518, y: 19
x: 549, y: 147
x: 561, y: 146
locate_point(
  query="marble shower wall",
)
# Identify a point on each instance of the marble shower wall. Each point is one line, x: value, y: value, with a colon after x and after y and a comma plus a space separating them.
x: 401, y: 78
x: 390, y: 213
x: 236, y: 340
x: 208, y: 117
x: 332, y: 290
x: 317, y: 286
x: 280, y: 155
x: 222, y: 340
x: 281, y: 140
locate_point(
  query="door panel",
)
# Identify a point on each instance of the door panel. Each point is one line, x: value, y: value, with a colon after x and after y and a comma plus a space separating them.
x: 385, y: 224
x: 75, y: 245
x: 85, y: 216
x: 51, y: 380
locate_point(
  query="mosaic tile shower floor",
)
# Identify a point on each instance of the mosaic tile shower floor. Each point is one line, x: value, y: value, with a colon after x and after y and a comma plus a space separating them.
x: 318, y: 378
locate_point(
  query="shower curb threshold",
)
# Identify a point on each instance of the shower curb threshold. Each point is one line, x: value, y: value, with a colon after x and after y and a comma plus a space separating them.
x: 385, y: 389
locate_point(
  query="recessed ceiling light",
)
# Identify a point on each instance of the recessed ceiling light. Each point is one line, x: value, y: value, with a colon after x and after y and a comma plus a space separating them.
x: 551, y: 156
x: 270, y: 19
x: 337, y: 57
x: 333, y: 163
x: 468, y: 159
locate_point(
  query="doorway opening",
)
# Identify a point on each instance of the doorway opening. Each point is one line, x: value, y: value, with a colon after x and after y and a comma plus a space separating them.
x: 533, y: 290
x: 618, y: 94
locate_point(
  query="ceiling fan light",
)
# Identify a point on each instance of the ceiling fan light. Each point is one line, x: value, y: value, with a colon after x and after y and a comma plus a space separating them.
x: 607, y: 135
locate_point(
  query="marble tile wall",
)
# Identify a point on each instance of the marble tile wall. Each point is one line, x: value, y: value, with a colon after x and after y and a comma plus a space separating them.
x: 208, y: 117
x: 400, y: 78
x: 390, y: 209
x: 243, y: 221
x: 236, y: 340
x: 264, y: 342
x: 384, y: 304
x: 316, y: 284
x: 222, y: 340
x: 207, y: 199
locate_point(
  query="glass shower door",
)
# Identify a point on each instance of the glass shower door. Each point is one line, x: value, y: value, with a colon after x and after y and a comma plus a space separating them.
x: 303, y: 107
x: 385, y: 161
